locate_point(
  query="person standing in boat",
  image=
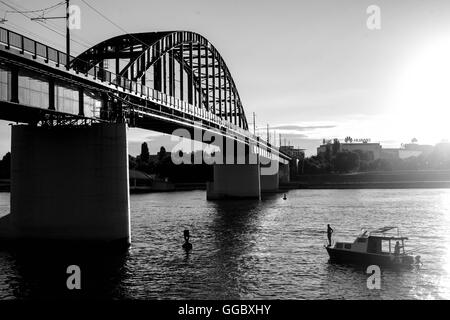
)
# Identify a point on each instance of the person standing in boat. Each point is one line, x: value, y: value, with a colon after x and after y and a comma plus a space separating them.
x: 329, y: 233
x: 397, y: 248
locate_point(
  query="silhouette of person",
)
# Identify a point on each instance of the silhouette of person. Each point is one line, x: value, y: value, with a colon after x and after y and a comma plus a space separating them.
x: 329, y: 232
x: 397, y: 248
x: 284, y: 197
x: 418, y: 262
x: 187, y: 245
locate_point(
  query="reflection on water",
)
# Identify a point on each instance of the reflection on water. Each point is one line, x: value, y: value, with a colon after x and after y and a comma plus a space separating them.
x: 43, y: 275
x: 246, y: 249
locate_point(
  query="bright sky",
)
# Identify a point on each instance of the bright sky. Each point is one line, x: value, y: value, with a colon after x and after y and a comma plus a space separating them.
x: 311, y: 69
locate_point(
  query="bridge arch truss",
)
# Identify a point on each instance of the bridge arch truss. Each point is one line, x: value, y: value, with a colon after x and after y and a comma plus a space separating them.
x: 181, y: 64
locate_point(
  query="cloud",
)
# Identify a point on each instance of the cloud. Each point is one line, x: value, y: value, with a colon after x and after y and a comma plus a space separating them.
x: 299, y: 131
x: 294, y: 136
x: 301, y: 128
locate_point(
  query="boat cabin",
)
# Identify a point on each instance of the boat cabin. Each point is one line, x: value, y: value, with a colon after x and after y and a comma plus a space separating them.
x: 376, y: 242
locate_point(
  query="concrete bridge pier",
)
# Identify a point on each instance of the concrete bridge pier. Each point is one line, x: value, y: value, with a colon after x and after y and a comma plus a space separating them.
x: 238, y: 174
x: 69, y: 184
x: 284, y: 173
x: 269, y: 176
x: 233, y: 181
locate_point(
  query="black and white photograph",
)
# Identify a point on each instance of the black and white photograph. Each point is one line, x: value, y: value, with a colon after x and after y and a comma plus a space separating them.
x: 235, y: 153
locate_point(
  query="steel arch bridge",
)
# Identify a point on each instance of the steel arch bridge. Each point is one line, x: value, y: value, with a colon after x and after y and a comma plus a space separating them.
x: 181, y: 64
x: 160, y: 81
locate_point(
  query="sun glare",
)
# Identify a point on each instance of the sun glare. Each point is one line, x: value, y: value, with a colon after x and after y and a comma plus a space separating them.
x: 422, y: 95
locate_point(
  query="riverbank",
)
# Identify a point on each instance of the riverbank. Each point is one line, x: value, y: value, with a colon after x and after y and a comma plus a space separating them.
x: 361, y: 180
x: 373, y: 180
x: 170, y: 187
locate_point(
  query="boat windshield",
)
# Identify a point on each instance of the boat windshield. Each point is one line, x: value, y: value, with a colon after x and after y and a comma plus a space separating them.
x: 386, y: 245
x: 390, y: 231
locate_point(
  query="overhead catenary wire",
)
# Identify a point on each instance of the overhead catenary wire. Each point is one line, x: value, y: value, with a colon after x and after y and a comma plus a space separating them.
x: 38, y: 10
x: 113, y: 23
x: 30, y: 33
x: 85, y: 44
x: 23, y: 12
x: 51, y: 29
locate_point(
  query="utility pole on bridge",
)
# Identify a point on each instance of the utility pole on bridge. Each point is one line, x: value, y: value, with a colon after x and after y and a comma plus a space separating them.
x: 67, y: 36
x: 67, y: 16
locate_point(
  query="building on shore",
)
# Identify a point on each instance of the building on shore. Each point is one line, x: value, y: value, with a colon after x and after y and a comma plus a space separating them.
x: 378, y: 152
x: 399, y: 153
x: 372, y: 148
x: 407, y: 150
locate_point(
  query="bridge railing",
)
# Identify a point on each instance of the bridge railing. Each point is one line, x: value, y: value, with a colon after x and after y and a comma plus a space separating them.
x: 19, y: 42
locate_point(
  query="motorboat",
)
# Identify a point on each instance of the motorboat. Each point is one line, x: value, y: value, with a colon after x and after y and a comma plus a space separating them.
x: 382, y: 247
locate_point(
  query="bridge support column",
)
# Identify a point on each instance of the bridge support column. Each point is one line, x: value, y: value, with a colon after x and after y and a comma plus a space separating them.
x: 235, y: 181
x: 284, y: 173
x: 70, y: 183
x: 269, y: 177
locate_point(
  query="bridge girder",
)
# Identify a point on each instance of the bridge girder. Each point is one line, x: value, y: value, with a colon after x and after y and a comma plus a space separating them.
x: 209, y: 81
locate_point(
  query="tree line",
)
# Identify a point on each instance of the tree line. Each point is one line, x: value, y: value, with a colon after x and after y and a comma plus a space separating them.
x: 162, y: 166
x: 333, y: 160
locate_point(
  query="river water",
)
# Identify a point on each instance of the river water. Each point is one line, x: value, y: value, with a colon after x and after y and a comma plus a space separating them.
x: 269, y: 249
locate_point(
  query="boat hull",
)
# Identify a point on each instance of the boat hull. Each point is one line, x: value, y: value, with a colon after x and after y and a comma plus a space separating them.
x: 363, y: 258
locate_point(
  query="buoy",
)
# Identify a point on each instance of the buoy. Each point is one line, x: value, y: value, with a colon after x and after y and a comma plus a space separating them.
x: 187, y: 245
